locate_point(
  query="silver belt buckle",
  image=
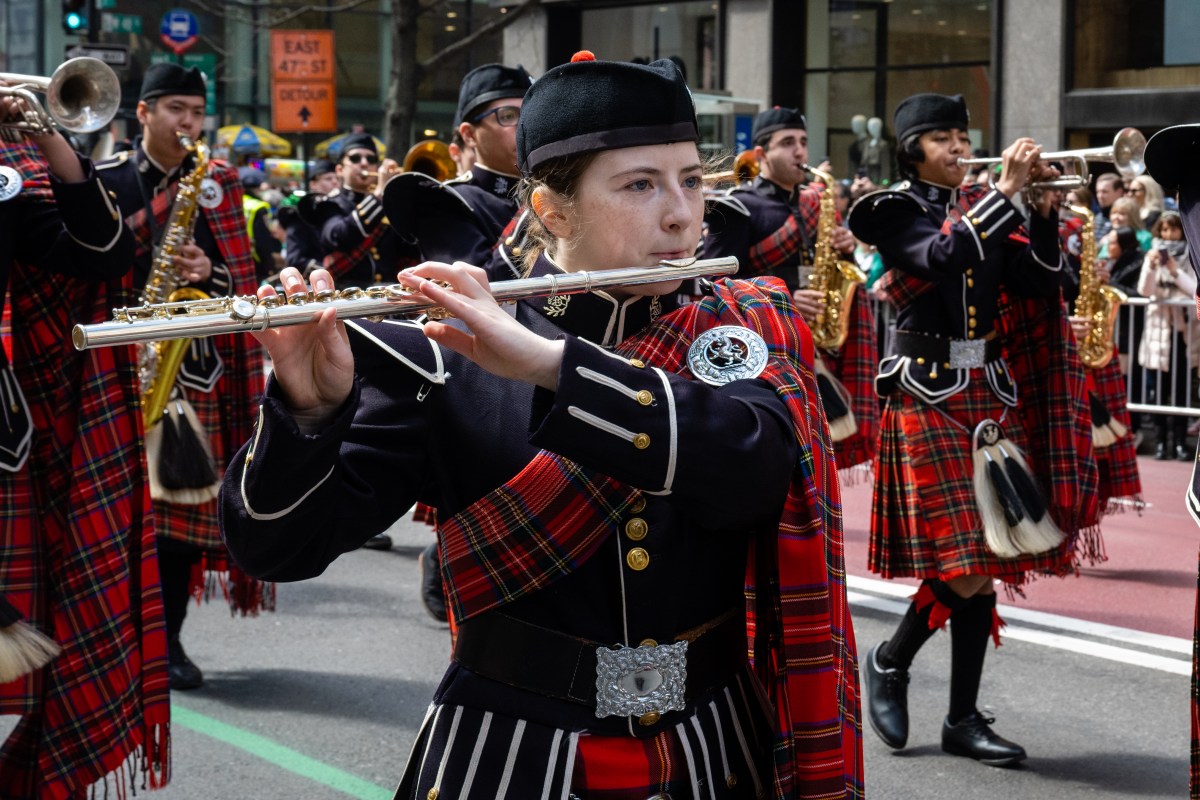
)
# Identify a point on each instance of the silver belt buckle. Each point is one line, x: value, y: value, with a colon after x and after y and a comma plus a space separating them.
x: 632, y: 681
x: 967, y: 353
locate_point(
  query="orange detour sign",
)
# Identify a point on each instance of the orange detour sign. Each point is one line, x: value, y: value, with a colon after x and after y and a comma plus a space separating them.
x: 303, y: 90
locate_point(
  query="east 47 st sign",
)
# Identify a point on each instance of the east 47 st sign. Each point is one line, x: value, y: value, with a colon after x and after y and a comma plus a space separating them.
x: 303, y: 93
x: 302, y: 55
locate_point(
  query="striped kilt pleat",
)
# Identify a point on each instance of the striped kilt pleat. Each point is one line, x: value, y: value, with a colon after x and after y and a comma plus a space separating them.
x: 719, y: 751
x: 925, y: 521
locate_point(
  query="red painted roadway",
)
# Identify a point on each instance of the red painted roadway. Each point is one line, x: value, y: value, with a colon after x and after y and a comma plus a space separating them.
x: 1148, y: 582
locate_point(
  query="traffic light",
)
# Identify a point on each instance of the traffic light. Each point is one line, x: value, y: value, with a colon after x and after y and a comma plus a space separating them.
x: 75, y: 16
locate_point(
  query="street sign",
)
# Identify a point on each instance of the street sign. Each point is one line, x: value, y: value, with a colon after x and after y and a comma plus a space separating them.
x: 300, y: 107
x: 303, y: 86
x: 120, y: 23
x: 305, y: 55
x: 179, y: 29
x: 115, y: 55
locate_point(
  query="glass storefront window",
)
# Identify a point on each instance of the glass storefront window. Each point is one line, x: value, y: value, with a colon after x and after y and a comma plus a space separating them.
x: 1120, y: 45
x: 684, y: 31
x: 865, y: 56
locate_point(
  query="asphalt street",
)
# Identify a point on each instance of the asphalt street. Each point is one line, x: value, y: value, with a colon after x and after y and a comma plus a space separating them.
x: 321, y: 699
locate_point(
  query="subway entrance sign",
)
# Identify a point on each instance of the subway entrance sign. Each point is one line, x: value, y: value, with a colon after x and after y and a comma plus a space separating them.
x: 303, y: 89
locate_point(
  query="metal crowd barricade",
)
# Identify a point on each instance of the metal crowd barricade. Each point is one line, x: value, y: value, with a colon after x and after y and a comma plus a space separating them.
x: 1147, y: 391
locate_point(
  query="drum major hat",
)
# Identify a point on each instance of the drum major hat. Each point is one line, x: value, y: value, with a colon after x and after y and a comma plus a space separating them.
x: 587, y: 106
x: 166, y: 78
x: 930, y: 112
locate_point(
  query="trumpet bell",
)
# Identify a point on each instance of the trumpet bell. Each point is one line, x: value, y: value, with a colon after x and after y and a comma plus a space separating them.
x: 82, y: 96
x: 1129, y: 152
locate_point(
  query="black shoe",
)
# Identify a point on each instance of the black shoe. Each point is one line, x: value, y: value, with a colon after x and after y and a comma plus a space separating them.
x: 1160, y: 452
x: 380, y: 541
x: 972, y: 737
x: 433, y: 597
x: 1182, y: 454
x: 182, y: 674
x: 887, y: 700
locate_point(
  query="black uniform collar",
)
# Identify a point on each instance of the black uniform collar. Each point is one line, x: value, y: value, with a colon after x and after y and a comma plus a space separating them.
x: 597, y: 316
x: 494, y: 182
x: 153, y: 174
x: 934, y: 194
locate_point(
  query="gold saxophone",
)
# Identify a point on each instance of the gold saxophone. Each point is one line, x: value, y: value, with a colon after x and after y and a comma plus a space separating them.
x: 159, y: 362
x: 1097, y: 302
x: 834, y: 278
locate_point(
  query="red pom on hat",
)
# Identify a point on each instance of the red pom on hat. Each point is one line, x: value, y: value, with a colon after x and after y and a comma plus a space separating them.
x: 583, y: 55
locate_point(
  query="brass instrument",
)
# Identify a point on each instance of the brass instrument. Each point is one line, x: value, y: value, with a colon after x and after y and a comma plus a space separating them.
x: 219, y: 315
x: 430, y: 157
x: 745, y: 169
x: 1097, y: 302
x: 834, y: 278
x: 1126, y: 154
x: 159, y: 360
x: 82, y: 96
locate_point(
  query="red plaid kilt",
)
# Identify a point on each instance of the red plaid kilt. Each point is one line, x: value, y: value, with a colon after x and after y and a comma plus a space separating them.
x: 1117, y: 463
x: 924, y: 517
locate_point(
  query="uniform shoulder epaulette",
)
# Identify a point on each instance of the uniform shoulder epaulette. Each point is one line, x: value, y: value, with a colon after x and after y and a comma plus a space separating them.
x: 114, y: 160
x: 882, y: 211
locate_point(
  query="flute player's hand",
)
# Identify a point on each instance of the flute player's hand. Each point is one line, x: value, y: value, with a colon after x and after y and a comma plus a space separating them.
x: 313, y: 364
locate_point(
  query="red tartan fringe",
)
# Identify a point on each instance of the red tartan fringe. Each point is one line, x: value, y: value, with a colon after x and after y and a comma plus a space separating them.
x: 151, y: 761
x: 1120, y: 505
x: 244, y: 595
x: 426, y: 514
x: 997, y: 624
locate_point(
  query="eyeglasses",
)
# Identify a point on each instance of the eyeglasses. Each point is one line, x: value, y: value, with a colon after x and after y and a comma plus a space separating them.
x: 507, y: 116
x: 358, y: 158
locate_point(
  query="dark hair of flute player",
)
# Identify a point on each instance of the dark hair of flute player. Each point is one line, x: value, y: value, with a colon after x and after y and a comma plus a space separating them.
x: 596, y: 506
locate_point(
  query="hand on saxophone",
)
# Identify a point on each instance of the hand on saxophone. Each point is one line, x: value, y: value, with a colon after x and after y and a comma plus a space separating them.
x: 809, y: 302
x: 1080, y: 326
x: 313, y: 364
x: 193, y: 264
x: 842, y: 240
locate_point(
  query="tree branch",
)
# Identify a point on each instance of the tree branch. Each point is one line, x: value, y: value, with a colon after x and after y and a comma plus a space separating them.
x: 501, y: 22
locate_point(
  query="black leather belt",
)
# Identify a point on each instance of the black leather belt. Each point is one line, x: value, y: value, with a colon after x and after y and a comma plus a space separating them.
x: 563, y: 667
x: 943, y: 350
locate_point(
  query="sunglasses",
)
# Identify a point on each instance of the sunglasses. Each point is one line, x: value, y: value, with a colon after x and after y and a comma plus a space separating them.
x: 507, y: 116
x: 358, y: 158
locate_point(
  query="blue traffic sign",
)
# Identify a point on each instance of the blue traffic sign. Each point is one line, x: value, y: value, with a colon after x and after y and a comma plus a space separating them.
x: 180, y: 29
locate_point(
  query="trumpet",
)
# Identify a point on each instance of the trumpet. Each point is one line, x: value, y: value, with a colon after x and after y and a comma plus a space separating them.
x: 82, y: 96
x: 1126, y: 153
x: 745, y: 168
x: 430, y: 157
x: 190, y: 319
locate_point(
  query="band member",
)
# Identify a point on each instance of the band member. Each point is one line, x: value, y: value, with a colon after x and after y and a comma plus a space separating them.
x: 220, y: 378
x: 302, y: 242
x: 359, y: 247
x: 979, y: 315
x: 771, y: 225
x: 1173, y: 159
x: 263, y: 244
x: 1112, y: 435
x: 88, y: 695
x: 597, y: 522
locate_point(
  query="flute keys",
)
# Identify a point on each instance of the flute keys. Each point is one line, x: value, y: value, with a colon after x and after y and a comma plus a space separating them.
x: 242, y: 309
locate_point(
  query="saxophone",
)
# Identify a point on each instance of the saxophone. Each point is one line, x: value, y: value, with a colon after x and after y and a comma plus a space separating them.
x: 159, y: 362
x: 834, y: 278
x: 1097, y: 302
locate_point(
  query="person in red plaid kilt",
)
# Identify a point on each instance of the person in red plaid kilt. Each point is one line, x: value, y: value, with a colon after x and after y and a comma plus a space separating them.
x: 1173, y: 159
x: 671, y: 492
x: 977, y: 297
x: 221, y: 377
x: 84, y: 712
x: 770, y: 224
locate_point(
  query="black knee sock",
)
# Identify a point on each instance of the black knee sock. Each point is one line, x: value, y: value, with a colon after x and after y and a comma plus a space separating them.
x: 914, y: 629
x: 175, y: 571
x: 970, y: 628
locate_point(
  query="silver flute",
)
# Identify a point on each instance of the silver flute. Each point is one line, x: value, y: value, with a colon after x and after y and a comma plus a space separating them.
x: 190, y: 319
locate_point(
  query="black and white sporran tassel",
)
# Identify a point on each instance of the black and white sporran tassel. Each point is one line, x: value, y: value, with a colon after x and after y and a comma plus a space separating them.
x: 1106, y: 429
x: 178, y: 459
x: 835, y: 399
x: 1016, y: 520
x: 23, y: 648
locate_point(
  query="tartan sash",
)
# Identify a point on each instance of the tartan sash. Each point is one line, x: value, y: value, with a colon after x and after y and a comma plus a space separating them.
x: 855, y: 364
x: 1119, y: 476
x: 798, y: 625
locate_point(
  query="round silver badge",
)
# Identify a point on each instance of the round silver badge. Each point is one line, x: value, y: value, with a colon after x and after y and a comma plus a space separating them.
x: 727, y: 353
x: 10, y: 183
x: 211, y: 194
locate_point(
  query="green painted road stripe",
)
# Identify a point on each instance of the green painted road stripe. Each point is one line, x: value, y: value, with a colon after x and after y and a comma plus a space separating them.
x: 280, y: 756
